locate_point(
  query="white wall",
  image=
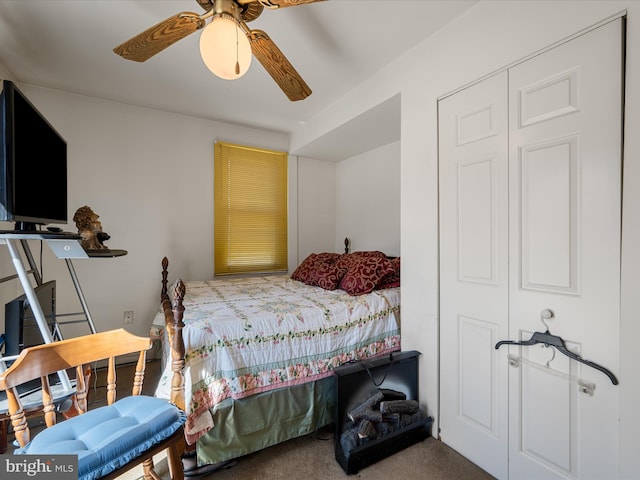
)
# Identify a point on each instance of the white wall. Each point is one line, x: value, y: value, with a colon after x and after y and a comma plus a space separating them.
x: 486, y: 38
x: 316, y: 207
x: 368, y: 201
x: 358, y: 197
x: 149, y: 175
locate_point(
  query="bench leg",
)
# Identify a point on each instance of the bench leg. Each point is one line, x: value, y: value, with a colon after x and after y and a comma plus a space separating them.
x: 149, y: 472
x: 174, y: 460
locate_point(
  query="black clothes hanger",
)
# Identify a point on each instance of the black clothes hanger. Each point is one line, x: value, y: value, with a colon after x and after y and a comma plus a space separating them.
x: 545, y: 338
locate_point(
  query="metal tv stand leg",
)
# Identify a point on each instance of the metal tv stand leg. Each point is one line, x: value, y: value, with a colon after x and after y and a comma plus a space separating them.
x: 83, y: 302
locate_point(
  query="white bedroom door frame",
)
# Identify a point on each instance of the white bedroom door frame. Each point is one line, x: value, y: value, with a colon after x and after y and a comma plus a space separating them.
x: 536, y: 228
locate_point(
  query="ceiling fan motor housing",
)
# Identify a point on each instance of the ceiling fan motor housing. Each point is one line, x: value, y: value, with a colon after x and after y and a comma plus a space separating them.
x: 245, y: 10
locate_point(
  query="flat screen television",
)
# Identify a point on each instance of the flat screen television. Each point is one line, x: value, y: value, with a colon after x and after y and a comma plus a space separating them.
x: 33, y: 164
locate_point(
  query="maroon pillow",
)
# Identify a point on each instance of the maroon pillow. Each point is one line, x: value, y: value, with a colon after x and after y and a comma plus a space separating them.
x: 327, y: 275
x: 319, y: 269
x: 392, y: 279
x: 305, y: 269
x: 347, y: 259
x: 328, y: 257
x: 363, y: 272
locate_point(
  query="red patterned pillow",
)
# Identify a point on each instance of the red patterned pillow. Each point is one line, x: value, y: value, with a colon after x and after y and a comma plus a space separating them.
x: 392, y: 279
x: 347, y: 259
x: 327, y: 257
x: 319, y: 269
x: 305, y: 269
x: 328, y: 275
x: 363, y: 272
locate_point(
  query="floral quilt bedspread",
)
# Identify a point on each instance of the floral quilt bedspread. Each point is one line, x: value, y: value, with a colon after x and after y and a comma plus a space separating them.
x: 249, y: 335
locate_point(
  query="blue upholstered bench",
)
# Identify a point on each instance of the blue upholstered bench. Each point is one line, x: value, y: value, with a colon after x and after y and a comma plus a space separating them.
x: 108, y: 440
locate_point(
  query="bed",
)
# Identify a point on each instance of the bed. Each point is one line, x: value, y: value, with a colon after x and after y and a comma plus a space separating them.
x: 259, y: 352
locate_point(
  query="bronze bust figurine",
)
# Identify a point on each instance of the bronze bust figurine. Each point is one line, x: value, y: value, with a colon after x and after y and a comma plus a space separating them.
x: 90, y: 229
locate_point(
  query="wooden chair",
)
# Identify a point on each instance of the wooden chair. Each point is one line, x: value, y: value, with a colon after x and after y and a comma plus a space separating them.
x: 111, y: 439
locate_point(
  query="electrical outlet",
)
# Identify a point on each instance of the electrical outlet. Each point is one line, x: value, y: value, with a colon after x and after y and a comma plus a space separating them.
x: 128, y: 317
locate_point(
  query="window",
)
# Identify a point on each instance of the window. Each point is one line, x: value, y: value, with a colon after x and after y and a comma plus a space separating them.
x: 250, y: 195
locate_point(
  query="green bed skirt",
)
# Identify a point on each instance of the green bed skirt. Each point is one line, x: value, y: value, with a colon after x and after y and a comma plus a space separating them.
x: 251, y: 424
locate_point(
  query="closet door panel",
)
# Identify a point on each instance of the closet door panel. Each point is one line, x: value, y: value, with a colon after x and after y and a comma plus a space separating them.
x: 474, y: 272
x: 565, y: 209
x: 549, y: 215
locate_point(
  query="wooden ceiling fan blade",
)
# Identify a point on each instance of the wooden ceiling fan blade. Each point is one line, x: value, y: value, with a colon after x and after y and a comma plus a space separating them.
x: 280, y: 3
x: 277, y: 65
x: 155, y: 39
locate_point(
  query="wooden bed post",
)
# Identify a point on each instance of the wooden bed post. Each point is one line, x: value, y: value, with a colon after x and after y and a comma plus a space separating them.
x: 173, y: 313
x: 165, y: 273
x: 173, y: 324
x: 177, y: 347
x: 167, y: 308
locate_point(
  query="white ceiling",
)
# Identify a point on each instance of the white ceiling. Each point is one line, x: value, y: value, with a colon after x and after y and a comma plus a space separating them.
x: 335, y: 45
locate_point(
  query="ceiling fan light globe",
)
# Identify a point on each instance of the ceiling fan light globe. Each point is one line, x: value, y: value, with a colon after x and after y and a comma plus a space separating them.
x: 223, y: 46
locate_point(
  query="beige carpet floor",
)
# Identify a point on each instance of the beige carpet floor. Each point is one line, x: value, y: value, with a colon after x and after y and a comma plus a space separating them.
x: 312, y: 458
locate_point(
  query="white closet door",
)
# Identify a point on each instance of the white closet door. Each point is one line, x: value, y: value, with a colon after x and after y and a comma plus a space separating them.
x: 530, y: 199
x: 565, y: 201
x: 474, y: 272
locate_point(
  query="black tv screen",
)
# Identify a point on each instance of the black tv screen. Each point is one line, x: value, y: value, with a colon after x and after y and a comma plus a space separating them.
x: 33, y: 164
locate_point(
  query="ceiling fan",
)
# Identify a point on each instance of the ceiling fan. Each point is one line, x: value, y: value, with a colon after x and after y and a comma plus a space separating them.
x: 229, y: 12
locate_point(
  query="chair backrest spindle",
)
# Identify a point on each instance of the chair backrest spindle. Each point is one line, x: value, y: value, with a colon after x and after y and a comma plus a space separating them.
x: 111, y: 381
x: 83, y: 373
x: 18, y: 417
x: 138, y: 377
x: 48, y: 408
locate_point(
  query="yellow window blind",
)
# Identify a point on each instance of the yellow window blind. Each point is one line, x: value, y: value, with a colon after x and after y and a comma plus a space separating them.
x: 250, y: 195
